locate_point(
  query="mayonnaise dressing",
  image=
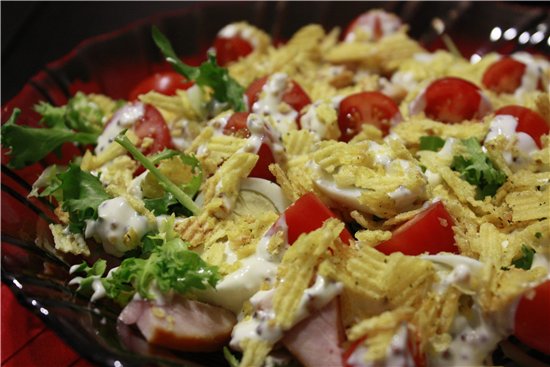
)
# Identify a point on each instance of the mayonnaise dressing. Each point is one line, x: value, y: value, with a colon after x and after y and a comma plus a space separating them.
x: 237, y: 287
x: 505, y: 126
x: 270, y: 102
x: 239, y: 30
x: 262, y: 326
x: 115, y: 218
x: 124, y: 118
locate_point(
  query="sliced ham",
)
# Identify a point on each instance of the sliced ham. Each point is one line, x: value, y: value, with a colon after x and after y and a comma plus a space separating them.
x: 315, y: 341
x: 183, y: 324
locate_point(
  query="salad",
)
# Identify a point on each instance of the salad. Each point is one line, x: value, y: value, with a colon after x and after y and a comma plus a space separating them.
x: 341, y: 199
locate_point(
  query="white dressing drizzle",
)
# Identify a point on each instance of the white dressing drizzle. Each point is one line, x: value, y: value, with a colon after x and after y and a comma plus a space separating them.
x: 115, y: 218
x: 124, y: 118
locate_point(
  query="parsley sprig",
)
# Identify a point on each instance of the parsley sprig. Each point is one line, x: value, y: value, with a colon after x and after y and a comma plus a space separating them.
x: 477, y: 169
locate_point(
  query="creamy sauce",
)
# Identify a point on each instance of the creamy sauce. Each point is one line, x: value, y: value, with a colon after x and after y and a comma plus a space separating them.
x: 505, y: 126
x: 388, y: 23
x: 270, y: 102
x: 262, y: 326
x: 534, y: 68
x: 475, y: 338
x: 239, y: 30
x: 233, y: 290
x: 397, y: 354
x: 261, y: 132
x: 454, y: 270
x: 124, y: 118
x: 310, y: 121
x: 115, y: 218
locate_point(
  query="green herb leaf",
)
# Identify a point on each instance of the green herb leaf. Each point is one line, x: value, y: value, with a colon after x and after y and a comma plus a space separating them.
x: 82, y: 195
x: 525, y: 261
x: 433, y: 143
x: 208, y: 74
x: 477, y: 169
x: 170, y: 266
x: 92, y: 273
x: 28, y: 145
x: 50, y: 182
x: 166, y: 184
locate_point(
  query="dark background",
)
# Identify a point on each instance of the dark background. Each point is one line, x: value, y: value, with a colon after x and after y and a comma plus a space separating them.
x: 35, y: 33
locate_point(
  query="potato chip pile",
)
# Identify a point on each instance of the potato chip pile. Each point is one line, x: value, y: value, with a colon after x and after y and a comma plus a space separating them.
x: 374, y: 183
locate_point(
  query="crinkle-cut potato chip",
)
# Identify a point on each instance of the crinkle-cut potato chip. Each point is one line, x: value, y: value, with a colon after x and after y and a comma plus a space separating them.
x: 298, y: 142
x: 226, y: 182
x: 196, y: 230
x: 372, y: 237
x: 68, y: 242
x: 502, y: 287
x: 388, y: 320
x: 119, y: 172
x: 172, y: 107
x: 529, y: 205
x: 254, y: 352
x: 419, y: 125
x: 298, y: 267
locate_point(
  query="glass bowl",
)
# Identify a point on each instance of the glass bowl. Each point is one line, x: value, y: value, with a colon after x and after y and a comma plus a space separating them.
x: 113, y: 63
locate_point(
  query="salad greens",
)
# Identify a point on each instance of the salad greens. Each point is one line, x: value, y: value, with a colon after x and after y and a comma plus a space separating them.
x: 433, y: 143
x: 178, y: 193
x: 166, y: 265
x: 525, y: 261
x: 208, y: 74
x: 477, y: 169
x: 18, y: 138
x: 82, y: 194
x: 167, y: 203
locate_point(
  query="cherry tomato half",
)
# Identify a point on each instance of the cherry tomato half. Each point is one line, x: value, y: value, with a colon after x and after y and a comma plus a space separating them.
x: 307, y: 214
x: 452, y: 100
x: 294, y: 95
x: 236, y: 125
x: 504, y: 75
x: 372, y: 108
x: 529, y: 121
x: 152, y: 125
x: 428, y: 232
x: 165, y: 83
x: 532, y: 319
x: 231, y: 49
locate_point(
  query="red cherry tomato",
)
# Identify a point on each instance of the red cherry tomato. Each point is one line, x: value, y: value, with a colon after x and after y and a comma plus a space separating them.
x: 453, y: 100
x: 307, y: 214
x: 373, y: 21
x: 165, y: 83
x: 430, y: 231
x: 504, y: 75
x: 532, y: 319
x: 236, y: 125
x: 231, y: 49
x: 152, y: 125
x: 372, y: 108
x: 294, y: 95
x: 529, y: 121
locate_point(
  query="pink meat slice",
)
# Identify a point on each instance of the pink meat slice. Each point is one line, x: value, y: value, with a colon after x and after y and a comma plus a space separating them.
x: 316, y: 341
x: 183, y: 325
